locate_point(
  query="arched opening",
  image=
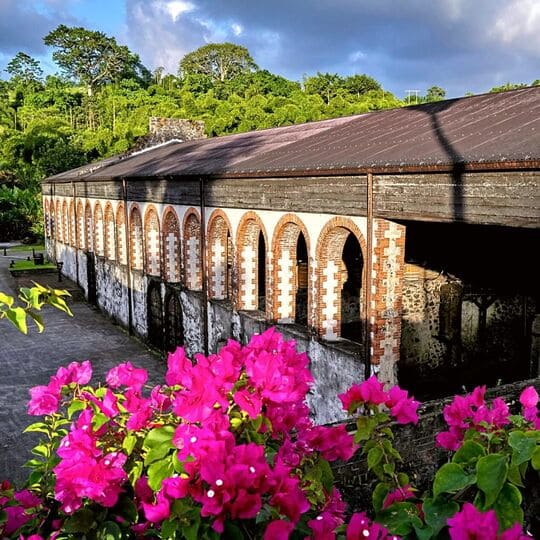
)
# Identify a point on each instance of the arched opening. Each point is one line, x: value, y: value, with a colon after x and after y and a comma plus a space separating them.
x: 89, y: 227
x: 174, y: 329
x: 339, y: 281
x: 155, y: 314
x: 301, y: 304
x: 110, y: 236
x: 351, y: 297
x: 261, y: 273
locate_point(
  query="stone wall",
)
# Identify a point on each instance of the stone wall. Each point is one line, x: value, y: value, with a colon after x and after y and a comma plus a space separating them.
x: 421, y: 459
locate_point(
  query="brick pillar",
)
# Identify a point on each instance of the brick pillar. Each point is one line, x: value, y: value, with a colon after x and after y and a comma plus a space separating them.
x: 89, y: 227
x: 121, y: 241
x: 192, y: 251
x: 80, y: 225
x: 152, y: 242
x: 110, y: 237
x: 135, y: 239
x: 218, y: 257
x: 386, y: 302
x: 171, y: 246
x: 98, y: 230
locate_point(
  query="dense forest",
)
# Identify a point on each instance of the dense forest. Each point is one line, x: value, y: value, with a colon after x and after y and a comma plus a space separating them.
x: 102, y: 97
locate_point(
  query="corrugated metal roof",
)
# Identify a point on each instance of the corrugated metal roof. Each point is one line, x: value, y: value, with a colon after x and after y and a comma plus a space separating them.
x: 490, y: 128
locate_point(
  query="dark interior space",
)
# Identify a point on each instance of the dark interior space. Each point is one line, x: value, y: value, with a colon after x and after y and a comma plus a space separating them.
x: 261, y: 273
x: 478, y: 319
x: 301, y: 280
x: 351, y: 325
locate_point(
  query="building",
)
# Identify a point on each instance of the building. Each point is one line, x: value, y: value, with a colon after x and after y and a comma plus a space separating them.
x: 401, y: 241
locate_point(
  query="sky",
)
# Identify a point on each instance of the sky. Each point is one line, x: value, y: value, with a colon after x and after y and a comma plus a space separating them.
x: 461, y: 45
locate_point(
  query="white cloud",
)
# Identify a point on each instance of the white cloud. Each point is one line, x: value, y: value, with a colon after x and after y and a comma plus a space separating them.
x: 175, y: 8
x: 518, y: 25
x: 237, y: 29
x: 356, y: 56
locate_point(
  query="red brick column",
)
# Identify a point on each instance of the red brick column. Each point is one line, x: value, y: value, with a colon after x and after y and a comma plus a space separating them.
x: 121, y: 240
x: 171, y: 246
x: 386, y: 303
x: 136, y: 251
x: 219, y: 256
x: 109, y: 233
x: 98, y: 230
x: 88, y: 227
x: 192, y: 250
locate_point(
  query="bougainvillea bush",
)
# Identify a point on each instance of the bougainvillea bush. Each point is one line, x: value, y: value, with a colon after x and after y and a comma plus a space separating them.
x: 226, y: 448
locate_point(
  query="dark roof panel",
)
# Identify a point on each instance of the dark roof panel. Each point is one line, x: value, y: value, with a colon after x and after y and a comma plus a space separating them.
x: 474, y: 130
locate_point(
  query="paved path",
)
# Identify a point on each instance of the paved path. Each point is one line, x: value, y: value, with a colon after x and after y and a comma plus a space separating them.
x: 27, y: 361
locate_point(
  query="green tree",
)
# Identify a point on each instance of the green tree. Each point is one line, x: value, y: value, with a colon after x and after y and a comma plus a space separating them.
x: 507, y: 86
x: 93, y: 58
x: 24, y: 69
x: 360, y: 84
x: 325, y: 85
x: 219, y: 61
x: 435, y: 93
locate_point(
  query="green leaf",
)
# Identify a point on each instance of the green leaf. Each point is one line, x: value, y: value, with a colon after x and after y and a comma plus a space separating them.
x: 6, y: 299
x: 469, y: 452
x: 492, y: 471
x: 364, y: 428
x: 158, y: 437
x: 379, y: 494
x: 3, y: 516
x: 327, y: 476
x: 169, y: 528
x: 374, y: 457
x: 508, y: 506
x: 41, y: 450
x: 98, y: 420
x: 191, y: 532
x: 437, y: 511
x: 17, y: 316
x: 400, y: 518
x: 80, y: 522
x: 74, y: 406
x: 128, y: 444
x: 514, y: 476
x: 109, y: 531
x: 451, y: 478
x: 135, y: 473
x: 522, y: 445
x: 38, y: 319
x: 37, y: 427
x: 535, y: 459
x: 158, y: 471
x: 424, y: 533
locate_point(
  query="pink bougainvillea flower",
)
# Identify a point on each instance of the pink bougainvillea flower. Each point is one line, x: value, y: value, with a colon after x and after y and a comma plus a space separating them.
x: 332, y: 442
x: 402, y: 407
x: 159, y: 510
x: 80, y: 373
x: 352, y: 398
x: 514, y: 533
x: 27, y: 499
x: 360, y: 527
x: 471, y: 524
x: 323, y: 526
x: 16, y: 517
x: 179, y: 368
x: 107, y: 405
x: 450, y: 440
x: 250, y: 402
x: 278, y: 530
x: 529, y: 397
x: 398, y: 495
x: 370, y: 392
x: 43, y: 401
x: 127, y: 375
x: 287, y: 495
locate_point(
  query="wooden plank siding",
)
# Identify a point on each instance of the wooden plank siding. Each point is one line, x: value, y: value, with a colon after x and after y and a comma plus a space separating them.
x: 509, y: 198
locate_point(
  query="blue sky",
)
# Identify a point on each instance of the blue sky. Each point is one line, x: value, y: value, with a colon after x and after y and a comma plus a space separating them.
x: 461, y: 45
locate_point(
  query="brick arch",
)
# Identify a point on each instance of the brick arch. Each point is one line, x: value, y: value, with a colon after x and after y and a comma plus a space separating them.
x: 136, y: 251
x: 247, y: 245
x: 71, y: 224
x: 192, y: 250
x: 79, y: 217
x: 284, y: 269
x: 59, y: 231
x: 171, y: 245
x: 98, y: 230
x: 65, y: 222
x: 152, y: 244
x: 121, y: 240
x: 88, y: 227
x: 52, y: 225
x: 110, y: 233
x: 220, y: 256
x: 46, y: 218
x: 331, y: 274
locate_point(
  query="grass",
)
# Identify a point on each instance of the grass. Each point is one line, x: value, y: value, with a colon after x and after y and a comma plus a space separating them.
x: 27, y: 247
x: 29, y: 265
